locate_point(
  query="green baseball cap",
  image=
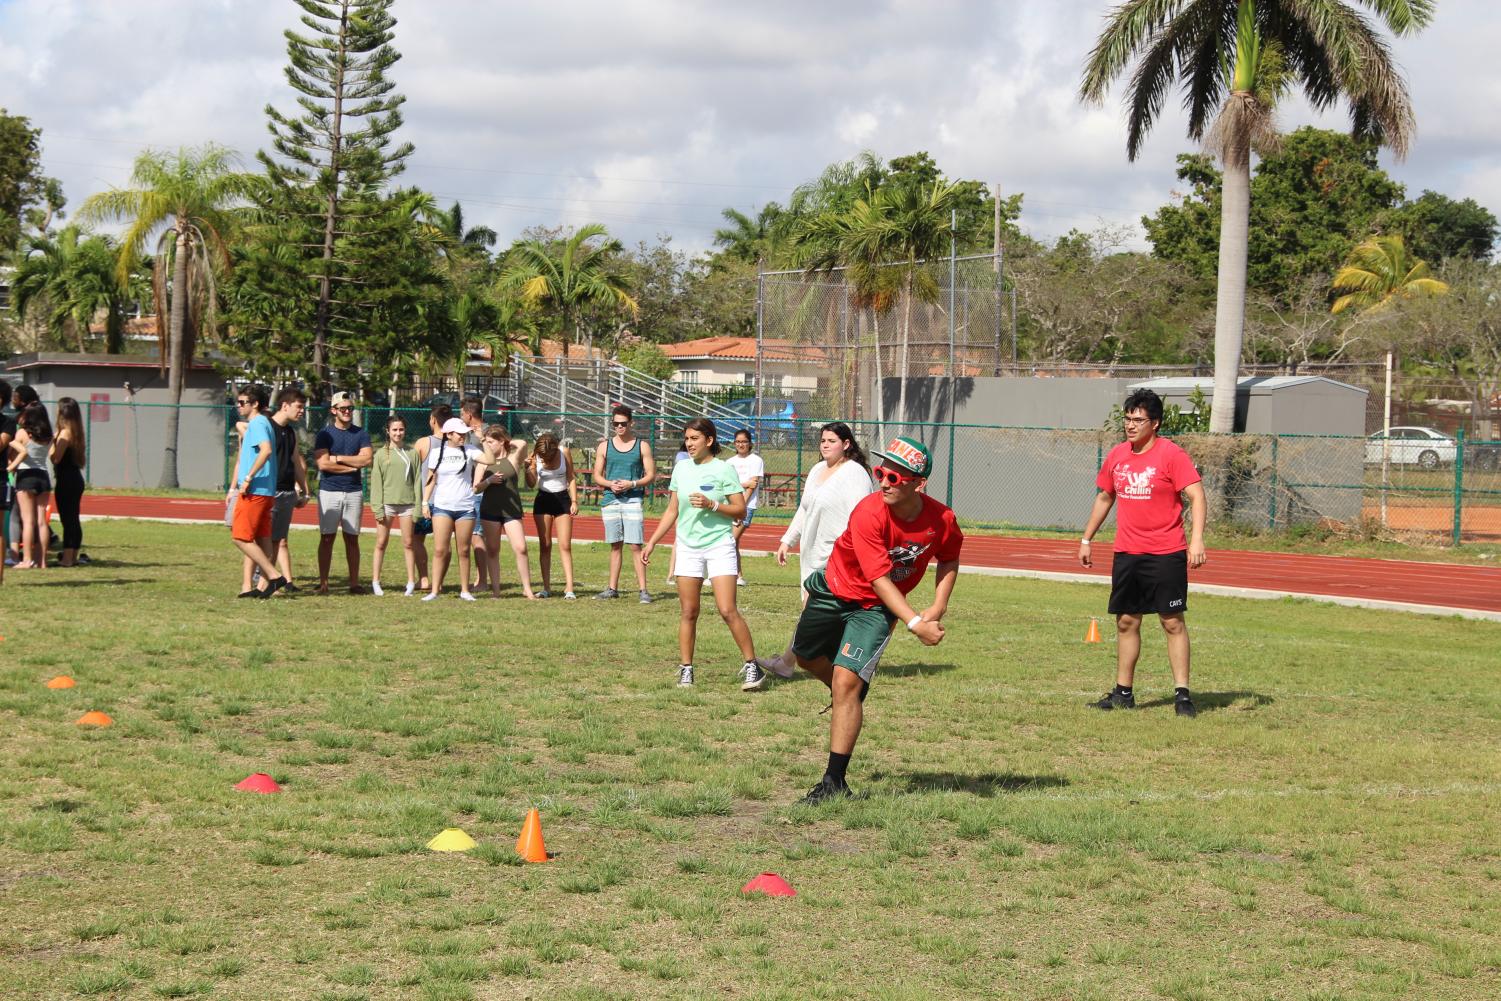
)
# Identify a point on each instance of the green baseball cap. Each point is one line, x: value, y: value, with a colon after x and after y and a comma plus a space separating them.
x: 909, y: 454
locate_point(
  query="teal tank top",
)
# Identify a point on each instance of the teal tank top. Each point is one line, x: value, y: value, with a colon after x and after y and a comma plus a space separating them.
x: 625, y: 465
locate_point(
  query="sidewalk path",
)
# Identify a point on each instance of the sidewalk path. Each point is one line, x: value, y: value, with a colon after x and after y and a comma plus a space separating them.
x: 1442, y: 588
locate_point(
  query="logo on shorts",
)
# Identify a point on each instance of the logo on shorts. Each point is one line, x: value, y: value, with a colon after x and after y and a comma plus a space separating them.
x: 852, y: 652
x: 1175, y: 603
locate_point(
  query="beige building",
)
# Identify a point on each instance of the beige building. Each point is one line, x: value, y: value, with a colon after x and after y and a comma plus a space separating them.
x: 715, y: 362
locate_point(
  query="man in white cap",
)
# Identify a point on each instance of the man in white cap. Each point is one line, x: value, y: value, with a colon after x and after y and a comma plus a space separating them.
x: 340, y: 451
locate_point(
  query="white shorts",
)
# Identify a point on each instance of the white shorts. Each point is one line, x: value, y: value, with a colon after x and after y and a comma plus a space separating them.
x: 397, y: 510
x: 339, y: 509
x: 718, y: 560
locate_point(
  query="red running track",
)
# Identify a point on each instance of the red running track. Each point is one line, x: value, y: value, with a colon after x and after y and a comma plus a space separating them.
x: 1443, y: 585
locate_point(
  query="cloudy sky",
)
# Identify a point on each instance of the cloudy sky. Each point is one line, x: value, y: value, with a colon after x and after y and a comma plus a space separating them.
x: 652, y: 115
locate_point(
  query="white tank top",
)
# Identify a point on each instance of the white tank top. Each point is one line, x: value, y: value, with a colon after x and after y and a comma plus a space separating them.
x: 552, y: 481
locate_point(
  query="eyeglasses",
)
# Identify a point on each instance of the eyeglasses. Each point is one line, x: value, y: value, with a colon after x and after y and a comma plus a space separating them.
x: 891, y: 478
x: 620, y: 424
x: 242, y: 403
x: 1138, y: 420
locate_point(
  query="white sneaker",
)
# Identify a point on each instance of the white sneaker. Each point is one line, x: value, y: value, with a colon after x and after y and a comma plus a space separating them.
x: 411, y: 588
x: 671, y: 580
x: 740, y: 581
x: 429, y: 596
x: 685, y: 675
x: 465, y: 596
x: 776, y: 665
x: 375, y: 589
x: 570, y: 596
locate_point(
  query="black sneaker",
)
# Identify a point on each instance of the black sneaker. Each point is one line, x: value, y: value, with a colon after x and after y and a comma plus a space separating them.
x: 273, y: 586
x: 1115, y: 700
x: 1185, y: 707
x: 753, y: 678
x: 826, y: 790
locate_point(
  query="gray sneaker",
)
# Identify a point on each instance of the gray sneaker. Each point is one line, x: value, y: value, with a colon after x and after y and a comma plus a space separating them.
x: 646, y: 598
x: 608, y: 592
x: 685, y: 675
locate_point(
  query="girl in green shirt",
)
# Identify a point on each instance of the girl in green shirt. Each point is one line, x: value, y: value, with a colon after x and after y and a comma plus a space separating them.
x: 394, y: 477
x: 706, y: 499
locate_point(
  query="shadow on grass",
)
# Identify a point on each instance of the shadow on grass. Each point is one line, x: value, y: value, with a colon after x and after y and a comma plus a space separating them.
x: 985, y: 784
x: 908, y: 670
x: 1210, y: 701
x: 89, y: 582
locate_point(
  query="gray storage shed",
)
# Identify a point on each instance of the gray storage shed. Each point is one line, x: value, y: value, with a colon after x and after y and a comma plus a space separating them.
x: 1279, y: 404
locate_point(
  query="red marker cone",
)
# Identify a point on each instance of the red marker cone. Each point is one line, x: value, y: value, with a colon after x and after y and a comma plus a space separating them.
x: 1093, y: 635
x: 61, y: 681
x: 258, y: 782
x: 529, y: 846
x: 770, y: 884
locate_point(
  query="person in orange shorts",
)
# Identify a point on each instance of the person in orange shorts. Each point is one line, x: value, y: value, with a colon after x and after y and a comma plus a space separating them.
x: 253, y: 492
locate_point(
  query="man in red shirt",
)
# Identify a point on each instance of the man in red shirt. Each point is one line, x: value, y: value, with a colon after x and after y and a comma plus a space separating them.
x: 1147, y: 476
x: 854, y: 602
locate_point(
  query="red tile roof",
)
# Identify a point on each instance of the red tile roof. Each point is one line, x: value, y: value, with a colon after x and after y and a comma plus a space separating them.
x: 744, y: 349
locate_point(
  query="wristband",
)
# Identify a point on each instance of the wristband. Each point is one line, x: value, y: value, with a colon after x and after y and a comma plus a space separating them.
x: 912, y: 622
x: 716, y: 506
x: 1084, y: 542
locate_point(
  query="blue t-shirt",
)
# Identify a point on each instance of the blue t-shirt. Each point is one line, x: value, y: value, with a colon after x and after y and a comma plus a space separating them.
x: 257, y: 433
x: 336, y: 442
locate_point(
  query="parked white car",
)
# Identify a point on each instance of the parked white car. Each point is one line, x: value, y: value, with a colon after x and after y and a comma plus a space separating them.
x: 1423, y: 447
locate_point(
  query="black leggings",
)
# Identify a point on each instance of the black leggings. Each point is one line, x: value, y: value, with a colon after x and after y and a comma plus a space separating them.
x: 68, y: 493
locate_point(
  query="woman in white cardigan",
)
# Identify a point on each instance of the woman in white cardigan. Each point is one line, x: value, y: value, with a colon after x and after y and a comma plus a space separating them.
x: 831, y: 491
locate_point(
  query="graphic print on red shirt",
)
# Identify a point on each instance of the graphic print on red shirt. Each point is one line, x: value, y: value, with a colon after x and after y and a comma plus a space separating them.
x: 878, y: 544
x: 1146, y: 487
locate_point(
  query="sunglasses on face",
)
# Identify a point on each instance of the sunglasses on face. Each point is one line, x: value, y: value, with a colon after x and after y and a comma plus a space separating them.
x: 341, y: 410
x: 891, y: 478
x: 242, y: 403
x: 621, y: 424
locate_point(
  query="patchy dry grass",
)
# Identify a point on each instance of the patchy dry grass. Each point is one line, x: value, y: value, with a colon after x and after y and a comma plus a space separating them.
x: 1330, y: 826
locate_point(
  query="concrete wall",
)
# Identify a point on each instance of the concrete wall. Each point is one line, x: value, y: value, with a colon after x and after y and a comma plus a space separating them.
x: 126, y: 442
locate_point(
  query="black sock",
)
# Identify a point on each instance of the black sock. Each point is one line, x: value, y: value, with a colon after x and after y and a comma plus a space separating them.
x: 837, y: 765
x: 1122, y: 690
x: 1181, y: 694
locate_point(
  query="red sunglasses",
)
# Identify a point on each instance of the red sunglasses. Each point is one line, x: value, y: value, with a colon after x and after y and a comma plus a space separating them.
x: 890, y: 477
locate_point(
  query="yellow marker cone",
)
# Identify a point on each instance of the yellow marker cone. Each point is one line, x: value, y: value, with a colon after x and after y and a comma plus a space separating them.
x: 451, y: 840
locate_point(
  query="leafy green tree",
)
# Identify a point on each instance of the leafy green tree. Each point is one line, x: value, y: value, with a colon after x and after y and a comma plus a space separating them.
x: 1312, y: 199
x: 73, y: 277
x: 21, y: 182
x: 332, y: 162
x: 751, y: 240
x: 1234, y: 59
x: 1379, y: 273
x: 644, y: 356
x: 1435, y: 227
x: 569, y: 278
x: 187, y: 205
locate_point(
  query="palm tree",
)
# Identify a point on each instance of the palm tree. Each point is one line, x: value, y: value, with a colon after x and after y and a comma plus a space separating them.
x: 1379, y: 273
x: 73, y: 275
x: 189, y: 204
x: 570, y: 278
x: 751, y: 240
x: 451, y: 224
x: 1252, y: 49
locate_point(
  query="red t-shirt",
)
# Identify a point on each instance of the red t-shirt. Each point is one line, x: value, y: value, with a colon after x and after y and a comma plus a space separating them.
x: 1148, y: 510
x: 878, y: 544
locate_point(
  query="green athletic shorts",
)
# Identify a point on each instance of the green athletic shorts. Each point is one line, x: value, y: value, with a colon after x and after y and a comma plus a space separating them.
x: 852, y: 637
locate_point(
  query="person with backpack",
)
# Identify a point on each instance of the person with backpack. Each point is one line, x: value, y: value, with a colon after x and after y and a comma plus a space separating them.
x: 448, y: 499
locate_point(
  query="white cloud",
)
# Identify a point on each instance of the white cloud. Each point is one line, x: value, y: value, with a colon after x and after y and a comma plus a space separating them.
x: 652, y: 115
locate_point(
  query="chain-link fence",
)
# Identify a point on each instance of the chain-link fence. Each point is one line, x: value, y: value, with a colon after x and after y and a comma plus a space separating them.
x: 828, y: 339
x: 1438, y: 492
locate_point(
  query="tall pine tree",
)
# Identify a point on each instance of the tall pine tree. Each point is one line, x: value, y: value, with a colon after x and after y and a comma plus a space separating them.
x: 326, y: 193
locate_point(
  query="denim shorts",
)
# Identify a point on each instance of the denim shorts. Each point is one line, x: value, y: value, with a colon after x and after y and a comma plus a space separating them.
x: 441, y: 512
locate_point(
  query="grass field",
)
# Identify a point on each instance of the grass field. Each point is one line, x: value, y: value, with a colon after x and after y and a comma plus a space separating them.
x: 1329, y: 827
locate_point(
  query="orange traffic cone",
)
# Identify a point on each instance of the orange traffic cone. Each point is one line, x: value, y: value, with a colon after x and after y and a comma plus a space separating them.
x: 529, y: 846
x: 1093, y: 635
